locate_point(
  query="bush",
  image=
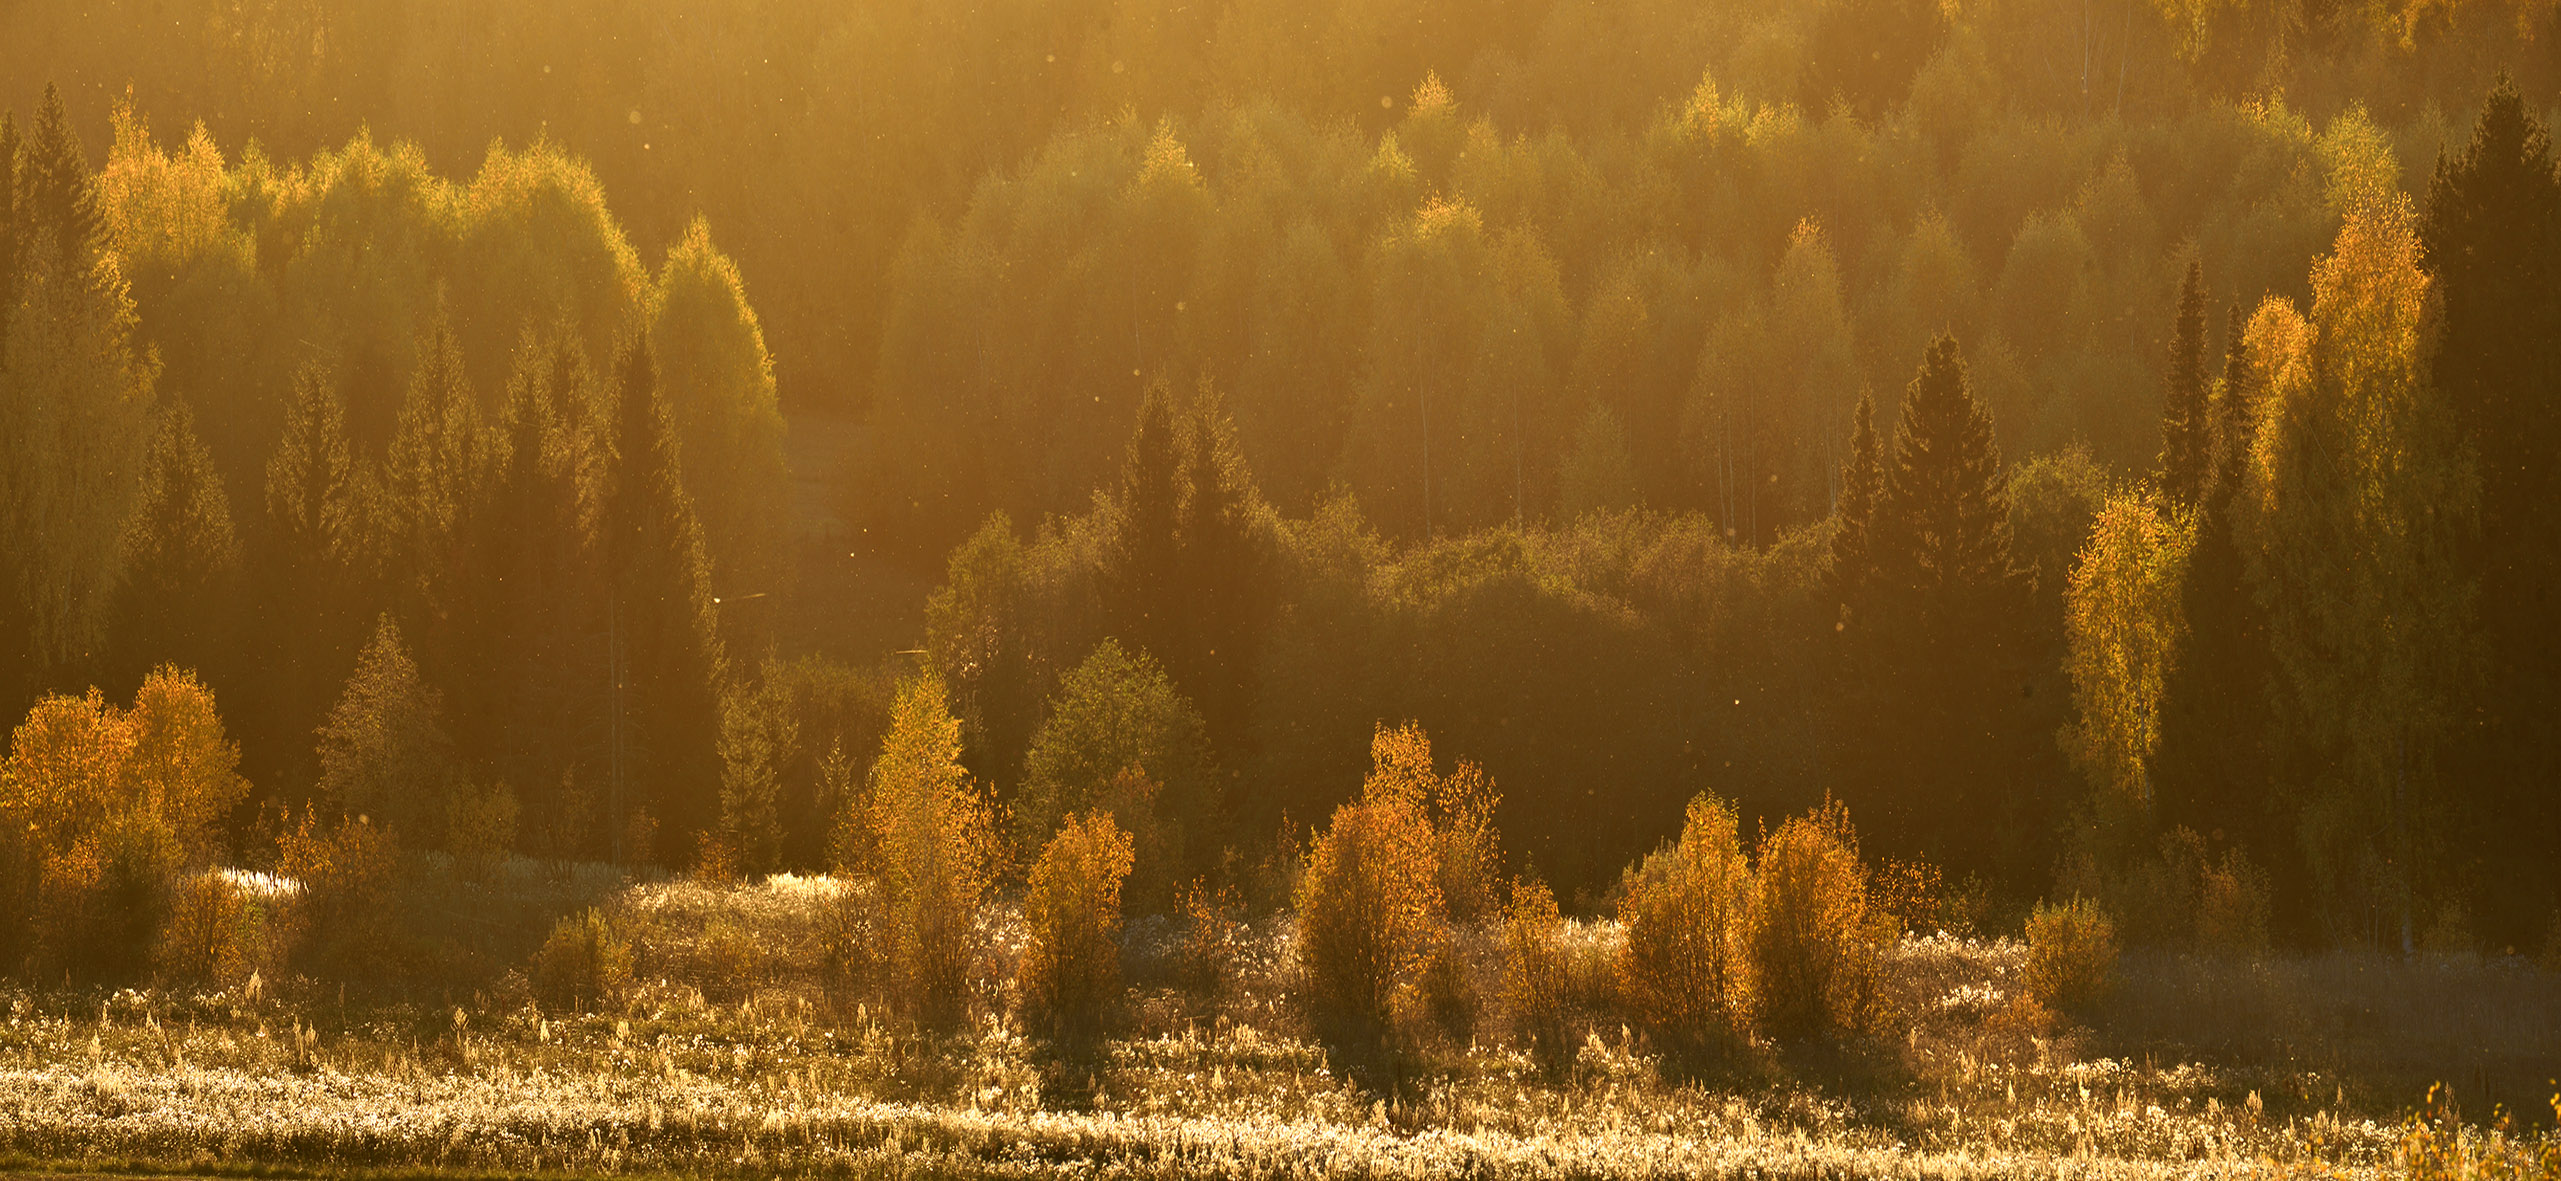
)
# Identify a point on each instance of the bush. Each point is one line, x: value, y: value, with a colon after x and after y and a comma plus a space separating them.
x: 1536, y: 975
x: 2071, y: 956
x: 1815, y: 944
x: 584, y: 965
x: 349, y: 924
x: 1682, y: 974
x: 1211, y: 934
x: 1070, y: 972
x: 2232, y: 906
x: 100, y: 904
x: 1369, y: 909
x: 1118, y: 731
x: 217, y: 933
x: 729, y: 964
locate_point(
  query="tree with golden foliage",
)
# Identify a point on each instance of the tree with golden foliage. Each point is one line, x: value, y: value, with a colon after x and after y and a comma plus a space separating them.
x: 1814, y: 941
x: 2126, y: 624
x: 1686, y: 909
x: 1070, y: 972
x: 2361, y: 497
x: 1370, y: 908
x: 933, y: 843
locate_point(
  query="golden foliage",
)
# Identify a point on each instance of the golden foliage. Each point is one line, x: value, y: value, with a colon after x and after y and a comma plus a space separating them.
x: 1370, y: 909
x: 934, y: 844
x: 1815, y: 942
x: 1070, y: 973
x: 1684, y: 974
x: 1535, y: 971
x: 584, y: 963
x: 2071, y: 956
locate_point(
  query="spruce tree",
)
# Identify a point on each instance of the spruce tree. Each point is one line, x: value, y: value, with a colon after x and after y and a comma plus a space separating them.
x: 2492, y: 237
x: 1222, y: 580
x: 1948, y: 751
x: 61, y: 202
x: 1147, y: 551
x: 1853, y: 573
x: 663, y: 645
x: 181, y: 557
x: 2187, y: 428
x: 12, y: 224
x: 309, y: 581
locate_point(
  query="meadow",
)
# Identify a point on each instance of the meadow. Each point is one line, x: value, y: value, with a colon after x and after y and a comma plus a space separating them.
x: 753, y: 1040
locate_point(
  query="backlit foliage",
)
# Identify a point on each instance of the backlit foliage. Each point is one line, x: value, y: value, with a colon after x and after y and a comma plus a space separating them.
x: 1814, y: 941
x: 934, y: 851
x: 1370, y: 908
x: 1686, y: 971
x: 1069, y: 980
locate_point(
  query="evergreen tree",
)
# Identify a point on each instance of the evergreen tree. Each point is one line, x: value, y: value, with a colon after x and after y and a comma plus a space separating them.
x: 538, y: 626
x: 384, y: 752
x: 2187, y: 427
x: 1222, y: 580
x: 1853, y: 569
x: 59, y: 196
x: 310, y: 583
x: 13, y: 231
x: 181, y: 557
x: 2492, y: 236
x: 1147, y: 556
x: 430, y: 483
x: 664, y: 658
x: 1945, y: 645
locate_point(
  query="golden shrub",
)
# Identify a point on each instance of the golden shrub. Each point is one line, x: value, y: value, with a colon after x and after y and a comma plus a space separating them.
x: 349, y: 921
x: 1815, y: 942
x: 584, y: 964
x: 1536, y: 974
x: 1686, y: 908
x: 1369, y: 907
x: 1069, y: 977
x: 729, y: 964
x: 2071, y: 956
x: 1212, y: 932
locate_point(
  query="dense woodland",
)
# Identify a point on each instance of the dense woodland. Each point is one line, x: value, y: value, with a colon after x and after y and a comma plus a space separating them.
x: 2099, y: 447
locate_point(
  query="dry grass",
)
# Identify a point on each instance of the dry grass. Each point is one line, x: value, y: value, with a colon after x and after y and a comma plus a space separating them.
x: 804, y: 1074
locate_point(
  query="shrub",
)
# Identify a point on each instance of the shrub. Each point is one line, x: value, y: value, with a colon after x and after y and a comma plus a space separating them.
x: 349, y: 925
x: 480, y: 829
x: 100, y: 904
x: 1211, y: 933
x: 1682, y: 973
x: 1535, y: 974
x: 584, y: 965
x: 1070, y: 971
x: 2071, y: 956
x: 1369, y: 908
x: 1467, y: 851
x: 2232, y: 906
x: 933, y: 845
x: 217, y: 933
x: 1815, y: 943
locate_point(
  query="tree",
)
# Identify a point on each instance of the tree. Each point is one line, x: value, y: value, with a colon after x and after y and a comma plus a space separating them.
x: 664, y: 652
x: 2362, y: 501
x: 1116, y: 713
x: 719, y: 384
x: 2126, y: 630
x: 759, y: 737
x: 1944, y: 650
x: 75, y: 412
x: 432, y: 476
x: 931, y: 850
x: 1853, y: 570
x: 308, y: 552
x: 2492, y: 240
x: 384, y: 753
x: 2187, y: 427
x: 181, y: 558
x: 1070, y: 974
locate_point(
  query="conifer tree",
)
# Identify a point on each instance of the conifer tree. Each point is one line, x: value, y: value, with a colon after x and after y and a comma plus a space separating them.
x: 61, y: 202
x: 12, y: 225
x: 1147, y: 554
x: 664, y: 658
x: 2492, y: 236
x: 181, y: 556
x: 1222, y: 575
x: 310, y: 577
x: 431, y: 477
x: 1944, y: 648
x: 1853, y: 567
x: 2187, y: 428
x: 384, y: 752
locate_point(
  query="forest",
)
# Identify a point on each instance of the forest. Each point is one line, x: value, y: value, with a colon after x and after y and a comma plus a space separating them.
x: 1820, y: 568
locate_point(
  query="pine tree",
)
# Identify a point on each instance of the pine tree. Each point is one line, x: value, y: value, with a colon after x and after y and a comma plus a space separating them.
x: 181, y: 556
x: 2187, y: 428
x: 664, y: 656
x: 2492, y: 236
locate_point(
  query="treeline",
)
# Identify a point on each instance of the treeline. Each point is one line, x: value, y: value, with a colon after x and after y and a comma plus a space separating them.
x: 813, y: 134
x: 293, y: 424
